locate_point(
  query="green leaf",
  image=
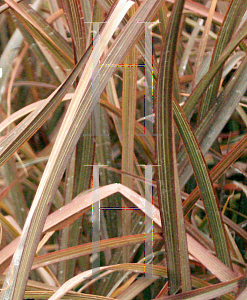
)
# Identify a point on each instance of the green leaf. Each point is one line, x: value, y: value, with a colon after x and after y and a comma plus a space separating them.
x: 167, y: 179
x: 205, y: 185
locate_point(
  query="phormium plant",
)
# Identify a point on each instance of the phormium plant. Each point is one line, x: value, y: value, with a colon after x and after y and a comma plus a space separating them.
x: 122, y: 150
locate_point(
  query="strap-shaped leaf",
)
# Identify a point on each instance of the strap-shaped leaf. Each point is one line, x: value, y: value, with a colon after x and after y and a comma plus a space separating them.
x: 167, y: 178
x: 235, y: 12
x: 44, y: 33
x: 205, y: 185
x: 211, y: 125
x: 73, y: 13
x: 217, y: 171
x: 74, y: 122
x: 205, y: 81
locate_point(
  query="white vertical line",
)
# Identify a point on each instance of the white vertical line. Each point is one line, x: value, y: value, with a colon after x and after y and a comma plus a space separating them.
x: 148, y: 221
x: 96, y: 222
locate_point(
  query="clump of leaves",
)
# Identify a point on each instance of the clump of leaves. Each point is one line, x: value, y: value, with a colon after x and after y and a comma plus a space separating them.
x: 123, y: 166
